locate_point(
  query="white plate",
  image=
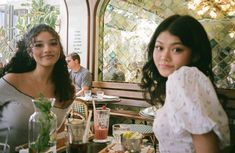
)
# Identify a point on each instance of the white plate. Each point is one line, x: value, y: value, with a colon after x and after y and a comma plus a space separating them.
x: 110, y: 97
x: 150, y: 111
x: 146, y: 116
x: 108, y: 139
x: 85, y: 98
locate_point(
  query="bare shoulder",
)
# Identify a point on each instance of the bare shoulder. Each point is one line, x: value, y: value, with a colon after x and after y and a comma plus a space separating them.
x: 15, y: 78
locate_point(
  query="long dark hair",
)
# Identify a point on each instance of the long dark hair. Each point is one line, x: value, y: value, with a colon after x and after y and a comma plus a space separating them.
x: 193, y: 35
x: 22, y: 62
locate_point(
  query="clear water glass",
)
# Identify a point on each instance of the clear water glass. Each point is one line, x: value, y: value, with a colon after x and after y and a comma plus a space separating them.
x: 119, y: 129
x: 4, y: 148
x: 100, y: 94
x: 87, y: 94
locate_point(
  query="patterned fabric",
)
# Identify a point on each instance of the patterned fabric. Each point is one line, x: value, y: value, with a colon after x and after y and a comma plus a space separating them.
x: 141, y: 128
x: 191, y: 107
x: 80, y: 107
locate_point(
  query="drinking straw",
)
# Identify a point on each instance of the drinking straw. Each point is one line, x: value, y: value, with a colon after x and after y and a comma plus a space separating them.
x: 94, y: 109
x: 85, y: 136
x: 93, y: 103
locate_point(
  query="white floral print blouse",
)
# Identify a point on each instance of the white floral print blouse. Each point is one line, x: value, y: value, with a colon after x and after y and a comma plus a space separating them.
x: 191, y: 107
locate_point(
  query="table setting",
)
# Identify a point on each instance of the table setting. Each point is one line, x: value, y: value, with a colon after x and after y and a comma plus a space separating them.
x: 129, y: 142
x: 149, y: 112
x: 126, y: 137
x: 99, y: 97
x: 76, y: 134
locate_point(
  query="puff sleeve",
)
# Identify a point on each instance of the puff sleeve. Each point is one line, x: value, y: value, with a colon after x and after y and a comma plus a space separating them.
x: 194, y: 105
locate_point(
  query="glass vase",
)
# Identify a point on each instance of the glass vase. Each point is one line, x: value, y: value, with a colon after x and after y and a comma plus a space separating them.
x: 42, y: 126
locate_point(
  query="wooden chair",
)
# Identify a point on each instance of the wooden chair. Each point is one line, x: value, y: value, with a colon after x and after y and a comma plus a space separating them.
x: 79, y: 109
x: 131, y: 99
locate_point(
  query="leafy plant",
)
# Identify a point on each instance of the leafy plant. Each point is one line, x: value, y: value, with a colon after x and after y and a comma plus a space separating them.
x: 38, y: 12
x: 42, y: 143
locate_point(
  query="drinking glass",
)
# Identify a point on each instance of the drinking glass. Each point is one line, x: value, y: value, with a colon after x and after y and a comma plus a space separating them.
x: 4, y: 148
x: 100, y: 94
x: 76, y: 140
x: 118, y: 129
x: 87, y: 94
x: 101, y: 124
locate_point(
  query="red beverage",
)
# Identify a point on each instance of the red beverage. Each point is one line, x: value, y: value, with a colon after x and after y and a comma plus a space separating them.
x: 101, y: 134
x: 78, y: 148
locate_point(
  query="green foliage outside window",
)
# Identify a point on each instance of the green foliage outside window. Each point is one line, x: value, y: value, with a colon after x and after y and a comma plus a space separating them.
x: 37, y: 12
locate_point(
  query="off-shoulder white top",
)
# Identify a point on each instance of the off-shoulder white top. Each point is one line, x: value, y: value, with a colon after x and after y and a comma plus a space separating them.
x: 15, y: 110
x: 191, y: 107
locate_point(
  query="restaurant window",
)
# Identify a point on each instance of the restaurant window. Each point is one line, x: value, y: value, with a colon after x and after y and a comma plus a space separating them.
x: 126, y: 26
x: 123, y: 40
x: 17, y: 16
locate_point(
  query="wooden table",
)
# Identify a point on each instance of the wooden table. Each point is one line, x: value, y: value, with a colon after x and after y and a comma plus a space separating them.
x: 101, y: 148
x: 146, y: 149
x: 92, y: 147
x: 61, y: 147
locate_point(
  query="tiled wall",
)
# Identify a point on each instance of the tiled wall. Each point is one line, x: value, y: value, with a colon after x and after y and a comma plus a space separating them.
x: 125, y: 27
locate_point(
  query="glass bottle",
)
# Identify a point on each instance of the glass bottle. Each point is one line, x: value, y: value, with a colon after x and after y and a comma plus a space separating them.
x: 42, y: 126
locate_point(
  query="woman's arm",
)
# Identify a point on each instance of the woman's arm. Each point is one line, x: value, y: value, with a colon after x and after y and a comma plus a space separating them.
x: 206, y: 143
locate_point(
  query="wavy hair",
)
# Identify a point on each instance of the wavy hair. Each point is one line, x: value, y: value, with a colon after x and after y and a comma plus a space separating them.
x: 193, y: 35
x: 22, y: 62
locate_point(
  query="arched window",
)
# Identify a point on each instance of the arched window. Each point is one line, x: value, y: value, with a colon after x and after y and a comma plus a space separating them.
x: 124, y: 31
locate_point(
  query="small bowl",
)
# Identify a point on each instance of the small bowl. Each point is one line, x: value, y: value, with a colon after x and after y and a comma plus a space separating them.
x: 131, y: 145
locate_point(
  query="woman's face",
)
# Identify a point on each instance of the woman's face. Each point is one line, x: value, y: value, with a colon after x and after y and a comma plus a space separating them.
x: 46, y: 49
x: 170, y: 54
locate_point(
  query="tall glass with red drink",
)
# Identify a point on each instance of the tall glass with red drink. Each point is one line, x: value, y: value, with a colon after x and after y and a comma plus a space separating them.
x: 101, y: 124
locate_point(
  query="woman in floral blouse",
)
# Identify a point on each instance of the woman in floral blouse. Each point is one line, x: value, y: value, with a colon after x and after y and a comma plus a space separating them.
x: 178, y: 74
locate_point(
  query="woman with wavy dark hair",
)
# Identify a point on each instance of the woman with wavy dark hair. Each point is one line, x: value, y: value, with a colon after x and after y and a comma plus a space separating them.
x: 38, y: 67
x: 178, y: 75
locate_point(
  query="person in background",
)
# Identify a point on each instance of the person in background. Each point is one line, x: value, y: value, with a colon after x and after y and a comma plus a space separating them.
x: 178, y: 75
x: 80, y: 76
x: 38, y: 67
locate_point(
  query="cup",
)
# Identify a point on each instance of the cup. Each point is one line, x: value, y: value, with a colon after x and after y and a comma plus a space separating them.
x: 132, y: 144
x: 118, y: 129
x: 4, y: 148
x: 101, y: 124
x: 87, y: 94
x: 76, y: 139
x: 100, y: 94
